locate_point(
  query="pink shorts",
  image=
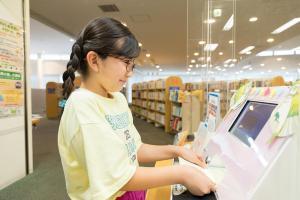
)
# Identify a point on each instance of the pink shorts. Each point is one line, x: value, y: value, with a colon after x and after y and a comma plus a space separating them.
x: 136, y: 195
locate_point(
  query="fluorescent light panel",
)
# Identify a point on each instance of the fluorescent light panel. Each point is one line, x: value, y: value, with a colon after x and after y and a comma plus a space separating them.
x: 228, y: 61
x: 246, y: 66
x: 286, y: 26
x: 247, y: 49
x: 210, y: 47
x: 229, y: 24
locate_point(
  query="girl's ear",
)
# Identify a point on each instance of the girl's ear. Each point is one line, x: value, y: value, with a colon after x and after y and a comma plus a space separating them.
x: 93, y: 61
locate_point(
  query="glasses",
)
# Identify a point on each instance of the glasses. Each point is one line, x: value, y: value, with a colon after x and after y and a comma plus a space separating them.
x: 130, y: 65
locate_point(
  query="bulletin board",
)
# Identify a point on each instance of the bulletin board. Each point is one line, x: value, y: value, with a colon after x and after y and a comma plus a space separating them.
x: 13, y: 112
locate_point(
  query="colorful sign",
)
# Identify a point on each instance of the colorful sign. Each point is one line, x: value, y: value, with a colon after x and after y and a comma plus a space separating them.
x: 11, y: 69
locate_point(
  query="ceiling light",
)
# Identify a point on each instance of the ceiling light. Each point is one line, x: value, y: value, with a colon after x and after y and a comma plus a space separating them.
x: 229, y: 24
x: 231, y: 65
x: 241, y: 71
x: 189, y: 69
x: 246, y: 66
x: 140, y: 44
x: 197, y: 66
x: 262, y: 64
x: 124, y: 24
x: 279, y: 59
x: 201, y: 59
x: 269, y: 71
x: 210, y: 21
x: 71, y: 40
x: 270, y: 40
x: 193, y: 61
x: 247, y: 49
x: 220, y: 53
x: 201, y: 42
x: 296, y: 49
x: 234, y: 60
x: 217, y: 12
x: 248, y: 53
x: 225, y: 65
x: 148, y: 55
x: 196, y: 54
x: 253, y: 19
x: 160, y: 70
x: 237, y: 72
x: 284, y: 52
x: 265, y: 53
x: 208, y: 59
x: 283, y: 68
x: 230, y: 41
x: 262, y: 72
x: 203, y: 65
x: 228, y: 61
x: 157, y: 66
x: 250, y: 68
x: 286, y: 26
x: 190, y: 66
x: 210, y: 47
x: 187, y: 72
x: 223, y: 70
x: 286, y: 72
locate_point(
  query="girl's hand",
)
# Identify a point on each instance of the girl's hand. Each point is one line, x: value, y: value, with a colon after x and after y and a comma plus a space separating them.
x: 197, y: 182
x: 191, y: 156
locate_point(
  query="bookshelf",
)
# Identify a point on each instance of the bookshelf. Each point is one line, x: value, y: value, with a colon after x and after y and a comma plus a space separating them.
x: 150, y: 100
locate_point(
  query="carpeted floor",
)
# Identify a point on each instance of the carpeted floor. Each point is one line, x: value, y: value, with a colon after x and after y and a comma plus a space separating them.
x: 47, y: 181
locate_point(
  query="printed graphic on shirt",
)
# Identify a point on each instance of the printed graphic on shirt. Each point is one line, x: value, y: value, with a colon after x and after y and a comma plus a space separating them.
x: 121, y: 121
x: 118, y: 121
x: 130, y: 145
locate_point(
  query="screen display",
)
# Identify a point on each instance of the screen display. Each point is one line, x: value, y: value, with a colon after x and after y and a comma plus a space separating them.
x: 251, y: 120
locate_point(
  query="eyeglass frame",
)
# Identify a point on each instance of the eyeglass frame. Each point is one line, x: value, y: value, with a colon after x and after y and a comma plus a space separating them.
x: 127, y: 61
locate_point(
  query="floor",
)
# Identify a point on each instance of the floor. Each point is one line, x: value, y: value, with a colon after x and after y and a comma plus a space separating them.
x: 47, y: 180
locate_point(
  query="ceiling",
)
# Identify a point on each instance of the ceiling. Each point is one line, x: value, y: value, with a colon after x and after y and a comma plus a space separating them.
x: 161, y: 26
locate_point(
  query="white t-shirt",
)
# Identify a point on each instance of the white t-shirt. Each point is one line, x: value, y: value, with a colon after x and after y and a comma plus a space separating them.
x: 98, y: 145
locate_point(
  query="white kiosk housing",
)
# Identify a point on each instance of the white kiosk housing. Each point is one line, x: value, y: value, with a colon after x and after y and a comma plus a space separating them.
x: 257, y: 146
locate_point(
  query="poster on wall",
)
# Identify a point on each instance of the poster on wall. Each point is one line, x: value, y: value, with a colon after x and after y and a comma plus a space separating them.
x: 11, y: 69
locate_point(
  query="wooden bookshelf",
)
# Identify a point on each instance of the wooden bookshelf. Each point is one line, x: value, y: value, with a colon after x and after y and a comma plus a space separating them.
x: 155, y: 95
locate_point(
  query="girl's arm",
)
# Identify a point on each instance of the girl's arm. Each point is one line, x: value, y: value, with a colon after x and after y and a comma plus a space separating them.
x: 149, y: 177
x: 151, y: 153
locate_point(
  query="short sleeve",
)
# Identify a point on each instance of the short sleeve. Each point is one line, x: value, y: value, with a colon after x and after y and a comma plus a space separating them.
x: 105, y: 158
x: 137, y: 137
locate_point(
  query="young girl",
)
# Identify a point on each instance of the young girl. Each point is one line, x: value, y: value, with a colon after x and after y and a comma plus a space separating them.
x: 99, y: 146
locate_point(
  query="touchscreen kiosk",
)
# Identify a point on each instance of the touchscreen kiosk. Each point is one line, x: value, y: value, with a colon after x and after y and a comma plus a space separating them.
x: 257, y: 146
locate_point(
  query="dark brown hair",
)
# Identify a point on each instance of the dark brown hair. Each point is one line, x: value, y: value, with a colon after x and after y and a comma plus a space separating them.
x: 105, y: 36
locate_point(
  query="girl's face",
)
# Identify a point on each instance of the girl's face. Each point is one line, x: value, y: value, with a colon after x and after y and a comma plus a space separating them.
x: 114, y: 73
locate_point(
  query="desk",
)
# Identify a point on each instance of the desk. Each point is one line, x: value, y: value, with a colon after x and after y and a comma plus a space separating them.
x: 160, y: 193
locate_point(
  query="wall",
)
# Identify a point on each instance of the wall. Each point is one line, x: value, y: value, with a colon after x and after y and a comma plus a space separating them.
x: 38, y: 99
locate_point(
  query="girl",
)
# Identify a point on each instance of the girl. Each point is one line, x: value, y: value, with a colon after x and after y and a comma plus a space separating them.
x: 99, y: 146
